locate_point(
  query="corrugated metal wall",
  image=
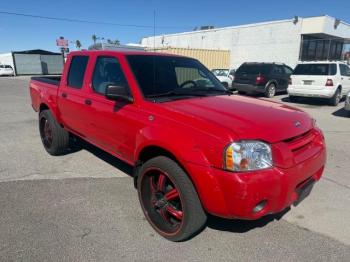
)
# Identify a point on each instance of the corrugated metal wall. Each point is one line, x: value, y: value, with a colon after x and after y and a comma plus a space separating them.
x: 210, y: 58
x: 35, y: 64
x: 52, y: 64
x: 28, y: 64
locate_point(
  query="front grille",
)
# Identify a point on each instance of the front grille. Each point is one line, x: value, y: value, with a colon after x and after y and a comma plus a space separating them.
x: 300, y: 142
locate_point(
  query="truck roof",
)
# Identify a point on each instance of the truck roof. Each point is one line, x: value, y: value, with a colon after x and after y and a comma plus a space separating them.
x: 123, y: 52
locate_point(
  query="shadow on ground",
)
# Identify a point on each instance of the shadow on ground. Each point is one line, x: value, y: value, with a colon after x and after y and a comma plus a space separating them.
x: 242, y: 226
x: 307, y: 101
x: 341, y: 113
x: 78, y: 144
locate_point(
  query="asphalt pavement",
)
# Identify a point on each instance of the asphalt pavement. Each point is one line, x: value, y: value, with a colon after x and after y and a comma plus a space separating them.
x: 83, y: 207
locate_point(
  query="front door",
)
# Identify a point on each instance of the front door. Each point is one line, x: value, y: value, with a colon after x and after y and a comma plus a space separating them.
x: 112, y: 124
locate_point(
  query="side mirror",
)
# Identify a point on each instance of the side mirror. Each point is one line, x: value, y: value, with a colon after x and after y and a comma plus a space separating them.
x: 118, y: 93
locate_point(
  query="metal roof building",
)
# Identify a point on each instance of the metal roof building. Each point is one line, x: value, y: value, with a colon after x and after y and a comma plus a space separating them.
x: 284, y: 41
x: 34, y: 62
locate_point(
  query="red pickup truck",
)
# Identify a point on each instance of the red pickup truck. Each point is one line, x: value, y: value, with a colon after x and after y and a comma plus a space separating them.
x: 196, y: 148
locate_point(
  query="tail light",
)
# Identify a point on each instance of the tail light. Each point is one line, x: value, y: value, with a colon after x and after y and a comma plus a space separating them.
x: 290, y: 82
x: 260, y: 79
x: 329, y: 82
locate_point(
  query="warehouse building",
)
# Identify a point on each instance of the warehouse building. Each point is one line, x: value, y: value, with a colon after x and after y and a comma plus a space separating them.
x: 285, y: 41
x: 34, y: 62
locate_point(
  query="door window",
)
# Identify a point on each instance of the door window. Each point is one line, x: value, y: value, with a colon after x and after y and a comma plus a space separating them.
x: 288, y: 70
x: 77, y: 71
x: 278, y: 70
x: 107, y: 72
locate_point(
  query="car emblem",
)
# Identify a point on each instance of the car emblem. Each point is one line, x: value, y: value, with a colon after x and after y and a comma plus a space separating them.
x: 297, y: 124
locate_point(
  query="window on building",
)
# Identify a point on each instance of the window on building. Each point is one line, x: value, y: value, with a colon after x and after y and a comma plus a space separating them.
x: 314, y: 48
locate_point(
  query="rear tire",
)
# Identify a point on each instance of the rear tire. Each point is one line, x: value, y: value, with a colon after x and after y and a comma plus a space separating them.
x: 169, y: 200
x: 54, y: 138
x: 270, y: 90
x: 334, y: 101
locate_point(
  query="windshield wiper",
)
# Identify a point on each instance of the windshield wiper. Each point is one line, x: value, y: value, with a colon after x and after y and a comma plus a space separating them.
x: 190, y: 92
x: 175, y: 93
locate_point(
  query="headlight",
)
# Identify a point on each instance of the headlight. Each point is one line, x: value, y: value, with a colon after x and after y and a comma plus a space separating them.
x: 247, y: 156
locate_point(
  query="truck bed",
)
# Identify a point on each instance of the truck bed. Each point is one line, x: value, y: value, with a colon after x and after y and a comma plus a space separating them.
x: 52, y: 80
x: 43, y: 88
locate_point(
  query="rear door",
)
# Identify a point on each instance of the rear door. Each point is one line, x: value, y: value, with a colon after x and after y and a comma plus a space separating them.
x: 279, y: 75
x: 71, y: 96
x: 313, y: 76
x: 345, y: 78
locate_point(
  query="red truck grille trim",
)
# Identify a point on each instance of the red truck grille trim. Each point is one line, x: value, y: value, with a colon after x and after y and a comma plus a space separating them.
x: 301, y: 141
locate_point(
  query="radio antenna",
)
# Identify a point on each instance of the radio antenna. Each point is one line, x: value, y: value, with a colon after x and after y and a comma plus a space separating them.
x: 154, y: 49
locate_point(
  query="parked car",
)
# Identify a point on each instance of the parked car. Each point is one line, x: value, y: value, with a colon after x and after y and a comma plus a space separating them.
x: 6, y: 70
x: 195, y: 150
x: 329, y: 80
x: 225, y: 76
x: 263, y: 78
x: 347, y: 103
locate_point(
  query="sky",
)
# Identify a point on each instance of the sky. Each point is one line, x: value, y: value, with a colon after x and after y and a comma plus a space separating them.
x: 24, y: 33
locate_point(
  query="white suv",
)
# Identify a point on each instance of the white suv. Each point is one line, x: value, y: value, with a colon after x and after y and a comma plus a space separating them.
x: 6, y: 70
x: 320, y: 79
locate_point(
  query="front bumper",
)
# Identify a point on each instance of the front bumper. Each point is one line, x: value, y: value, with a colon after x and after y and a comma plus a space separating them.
x: 235, y: 195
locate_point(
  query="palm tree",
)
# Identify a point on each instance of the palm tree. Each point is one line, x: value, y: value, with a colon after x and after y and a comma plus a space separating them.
x: 78, y: 44
x: 94, y: 38
x: 113, y: 42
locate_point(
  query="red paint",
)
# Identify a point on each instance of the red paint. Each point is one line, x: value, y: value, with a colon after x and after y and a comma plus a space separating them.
x: 196, y: 131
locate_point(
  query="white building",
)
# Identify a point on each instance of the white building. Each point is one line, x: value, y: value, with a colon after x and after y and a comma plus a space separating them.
x: 284, y: 41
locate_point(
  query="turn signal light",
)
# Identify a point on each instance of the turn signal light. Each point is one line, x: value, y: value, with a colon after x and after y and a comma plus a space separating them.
x: 229, y: 158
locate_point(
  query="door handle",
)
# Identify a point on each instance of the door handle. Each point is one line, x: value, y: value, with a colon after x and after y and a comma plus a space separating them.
x: 88, y: 102
x: 64, y: 95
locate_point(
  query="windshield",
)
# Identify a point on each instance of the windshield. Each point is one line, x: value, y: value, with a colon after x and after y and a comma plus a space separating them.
x: 220, y: 72
x: 161, y: 76
x: 315, y: 69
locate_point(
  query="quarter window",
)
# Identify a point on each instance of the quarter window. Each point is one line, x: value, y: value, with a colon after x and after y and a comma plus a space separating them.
x: 77, y: 71
x: 107, y: 72
x: 344, y: 70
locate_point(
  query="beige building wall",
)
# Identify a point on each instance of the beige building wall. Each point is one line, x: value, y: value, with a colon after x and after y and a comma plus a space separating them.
x: 210, y: 58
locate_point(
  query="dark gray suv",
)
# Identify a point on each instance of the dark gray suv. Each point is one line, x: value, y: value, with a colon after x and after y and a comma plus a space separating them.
x: 263, y: 78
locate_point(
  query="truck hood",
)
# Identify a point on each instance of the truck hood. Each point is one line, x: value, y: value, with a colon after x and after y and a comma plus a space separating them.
x: 247, y: 118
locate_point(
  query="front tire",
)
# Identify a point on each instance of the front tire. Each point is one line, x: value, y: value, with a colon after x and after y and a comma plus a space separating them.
x: 169, y: 200
x: 54, y: 138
